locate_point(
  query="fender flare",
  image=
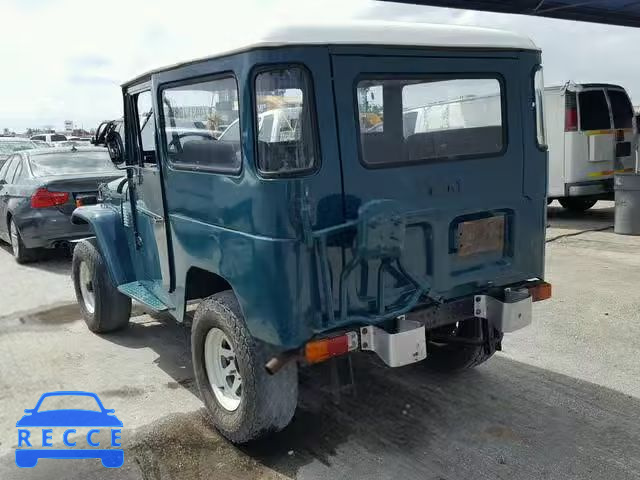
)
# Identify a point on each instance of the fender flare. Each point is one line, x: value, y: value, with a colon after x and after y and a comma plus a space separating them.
x: 106, y: 224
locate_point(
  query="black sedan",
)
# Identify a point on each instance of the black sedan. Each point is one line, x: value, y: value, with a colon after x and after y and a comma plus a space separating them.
x: 39, y: 189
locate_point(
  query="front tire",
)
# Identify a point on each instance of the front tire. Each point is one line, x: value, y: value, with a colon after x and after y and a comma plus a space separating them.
x: 455, y: 357
x: 245, y: 402
x: 576, y: 204
x: 103, y: 307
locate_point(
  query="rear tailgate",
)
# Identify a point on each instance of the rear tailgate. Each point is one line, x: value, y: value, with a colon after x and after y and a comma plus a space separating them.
x: 470, y: 185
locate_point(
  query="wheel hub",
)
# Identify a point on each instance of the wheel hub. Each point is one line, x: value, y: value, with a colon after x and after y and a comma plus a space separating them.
x: 222, y: 369
x: 86, y: 287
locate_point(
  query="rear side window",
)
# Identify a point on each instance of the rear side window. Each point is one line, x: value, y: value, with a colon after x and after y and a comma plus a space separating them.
x: 58, y: 138
x: 621, y: 109
x: 11, y: 169
x: 594, y: 110
x: 284, y: 120
x: 405, y: 120
x: 194, y: 115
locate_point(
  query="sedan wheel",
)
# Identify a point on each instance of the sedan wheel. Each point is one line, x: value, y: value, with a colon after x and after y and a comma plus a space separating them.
x: 21, y: 253
x: 15, y: 239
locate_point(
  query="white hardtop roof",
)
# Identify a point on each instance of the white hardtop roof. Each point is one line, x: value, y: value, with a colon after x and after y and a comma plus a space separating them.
x: 365, y: 32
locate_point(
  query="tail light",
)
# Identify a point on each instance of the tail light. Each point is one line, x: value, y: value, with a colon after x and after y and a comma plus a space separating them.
x: 570, y: 112
x: 43, y: 198
x: 320, y: 350
x: 570, y: 120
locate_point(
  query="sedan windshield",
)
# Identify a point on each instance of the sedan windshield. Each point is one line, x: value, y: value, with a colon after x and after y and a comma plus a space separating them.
x: 16, y: 146
x: 56, y: 164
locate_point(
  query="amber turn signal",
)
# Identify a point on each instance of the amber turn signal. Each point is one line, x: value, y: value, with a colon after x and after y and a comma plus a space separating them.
x: 541, y: 291
x: 326, y: 348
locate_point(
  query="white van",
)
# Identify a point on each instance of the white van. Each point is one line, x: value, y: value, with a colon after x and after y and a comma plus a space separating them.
x: 50, y: 138
x: 591, y: 135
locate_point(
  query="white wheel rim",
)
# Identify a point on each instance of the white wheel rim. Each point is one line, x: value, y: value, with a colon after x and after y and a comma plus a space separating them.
x: 86, y: 287
x: 15, y: 243
x: 222, y: 369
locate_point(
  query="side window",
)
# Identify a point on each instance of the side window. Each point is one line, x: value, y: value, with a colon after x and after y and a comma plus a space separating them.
x: 4, y: 168
x: 538, y: 105
x: 424, y: 119
x: 39, y: 137
x: 594, y: 111
x: 11, y: 169
x: 194, y: 116
x: 146, y: 129
x: 284, y: 96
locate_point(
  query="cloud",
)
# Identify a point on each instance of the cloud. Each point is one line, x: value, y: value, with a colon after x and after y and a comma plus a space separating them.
x: 65, y: 59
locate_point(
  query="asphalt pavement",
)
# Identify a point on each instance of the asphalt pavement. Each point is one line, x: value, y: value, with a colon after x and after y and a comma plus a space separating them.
x: 561, y: 402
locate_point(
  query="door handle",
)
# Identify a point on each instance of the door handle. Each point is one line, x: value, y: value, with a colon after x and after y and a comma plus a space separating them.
x: 155, y: 218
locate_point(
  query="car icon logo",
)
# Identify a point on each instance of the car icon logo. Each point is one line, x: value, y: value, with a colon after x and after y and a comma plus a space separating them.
x: 31, y: 449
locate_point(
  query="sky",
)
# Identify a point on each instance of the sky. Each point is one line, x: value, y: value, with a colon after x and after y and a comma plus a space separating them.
x: 65, y: 59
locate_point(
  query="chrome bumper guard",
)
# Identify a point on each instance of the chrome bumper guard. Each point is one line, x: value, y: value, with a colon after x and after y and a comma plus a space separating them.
x: 509, y: 316
x: 408, y: 345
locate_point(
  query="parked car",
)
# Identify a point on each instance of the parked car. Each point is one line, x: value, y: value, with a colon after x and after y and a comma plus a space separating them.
x: 591, y: 136
x: 42, y: 144
x: 321, y: 239
x: 50, y: 138
x: 39, y: 189
x: 10, y: 145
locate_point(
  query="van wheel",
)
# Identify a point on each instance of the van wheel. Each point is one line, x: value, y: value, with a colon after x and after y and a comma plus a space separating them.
x: 103, y: 307
x: 577, y: 204
x: 246, y: 403
x: 453, y: 357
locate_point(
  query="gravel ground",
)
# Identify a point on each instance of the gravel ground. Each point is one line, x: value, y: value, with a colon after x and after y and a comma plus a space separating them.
x: 561, y: 402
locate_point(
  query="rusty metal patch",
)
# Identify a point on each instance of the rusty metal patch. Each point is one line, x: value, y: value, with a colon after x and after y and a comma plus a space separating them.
x: 481, y: 236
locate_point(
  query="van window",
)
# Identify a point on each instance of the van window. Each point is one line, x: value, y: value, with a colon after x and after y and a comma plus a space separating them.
x: 193, y: 117
x: 594, y: 110
x: 412, y: 120
x: 58, y: 138
x: 284, y: 118
x: 621, y: 109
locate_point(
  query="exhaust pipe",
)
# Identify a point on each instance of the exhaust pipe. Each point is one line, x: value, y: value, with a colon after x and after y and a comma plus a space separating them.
x: 278, y: 362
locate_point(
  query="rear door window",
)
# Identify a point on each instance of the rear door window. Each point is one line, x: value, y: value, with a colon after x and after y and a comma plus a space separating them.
x: 11, y: 169
x: 594, y: 110
x: 621, y: 109
x: 58, y: 138
x: 413, y: 120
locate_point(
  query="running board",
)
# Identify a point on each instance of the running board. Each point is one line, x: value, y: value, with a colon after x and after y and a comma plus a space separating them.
x: 142, y: 294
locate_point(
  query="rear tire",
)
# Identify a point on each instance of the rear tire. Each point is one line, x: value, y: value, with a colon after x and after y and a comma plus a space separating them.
x: 264, y: 403
x: 577, y: 204
x: 455, y: 357
x: 21, y: 253
x: 103, y: 307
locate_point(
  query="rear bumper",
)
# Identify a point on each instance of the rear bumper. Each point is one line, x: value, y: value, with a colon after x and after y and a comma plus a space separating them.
x: 596, y: 189
x: 47, y: 227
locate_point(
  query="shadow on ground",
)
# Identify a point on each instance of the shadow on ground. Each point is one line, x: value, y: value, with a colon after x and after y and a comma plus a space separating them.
x: 503, y: 420
x: 600, y: 216
x: 50, y: 260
